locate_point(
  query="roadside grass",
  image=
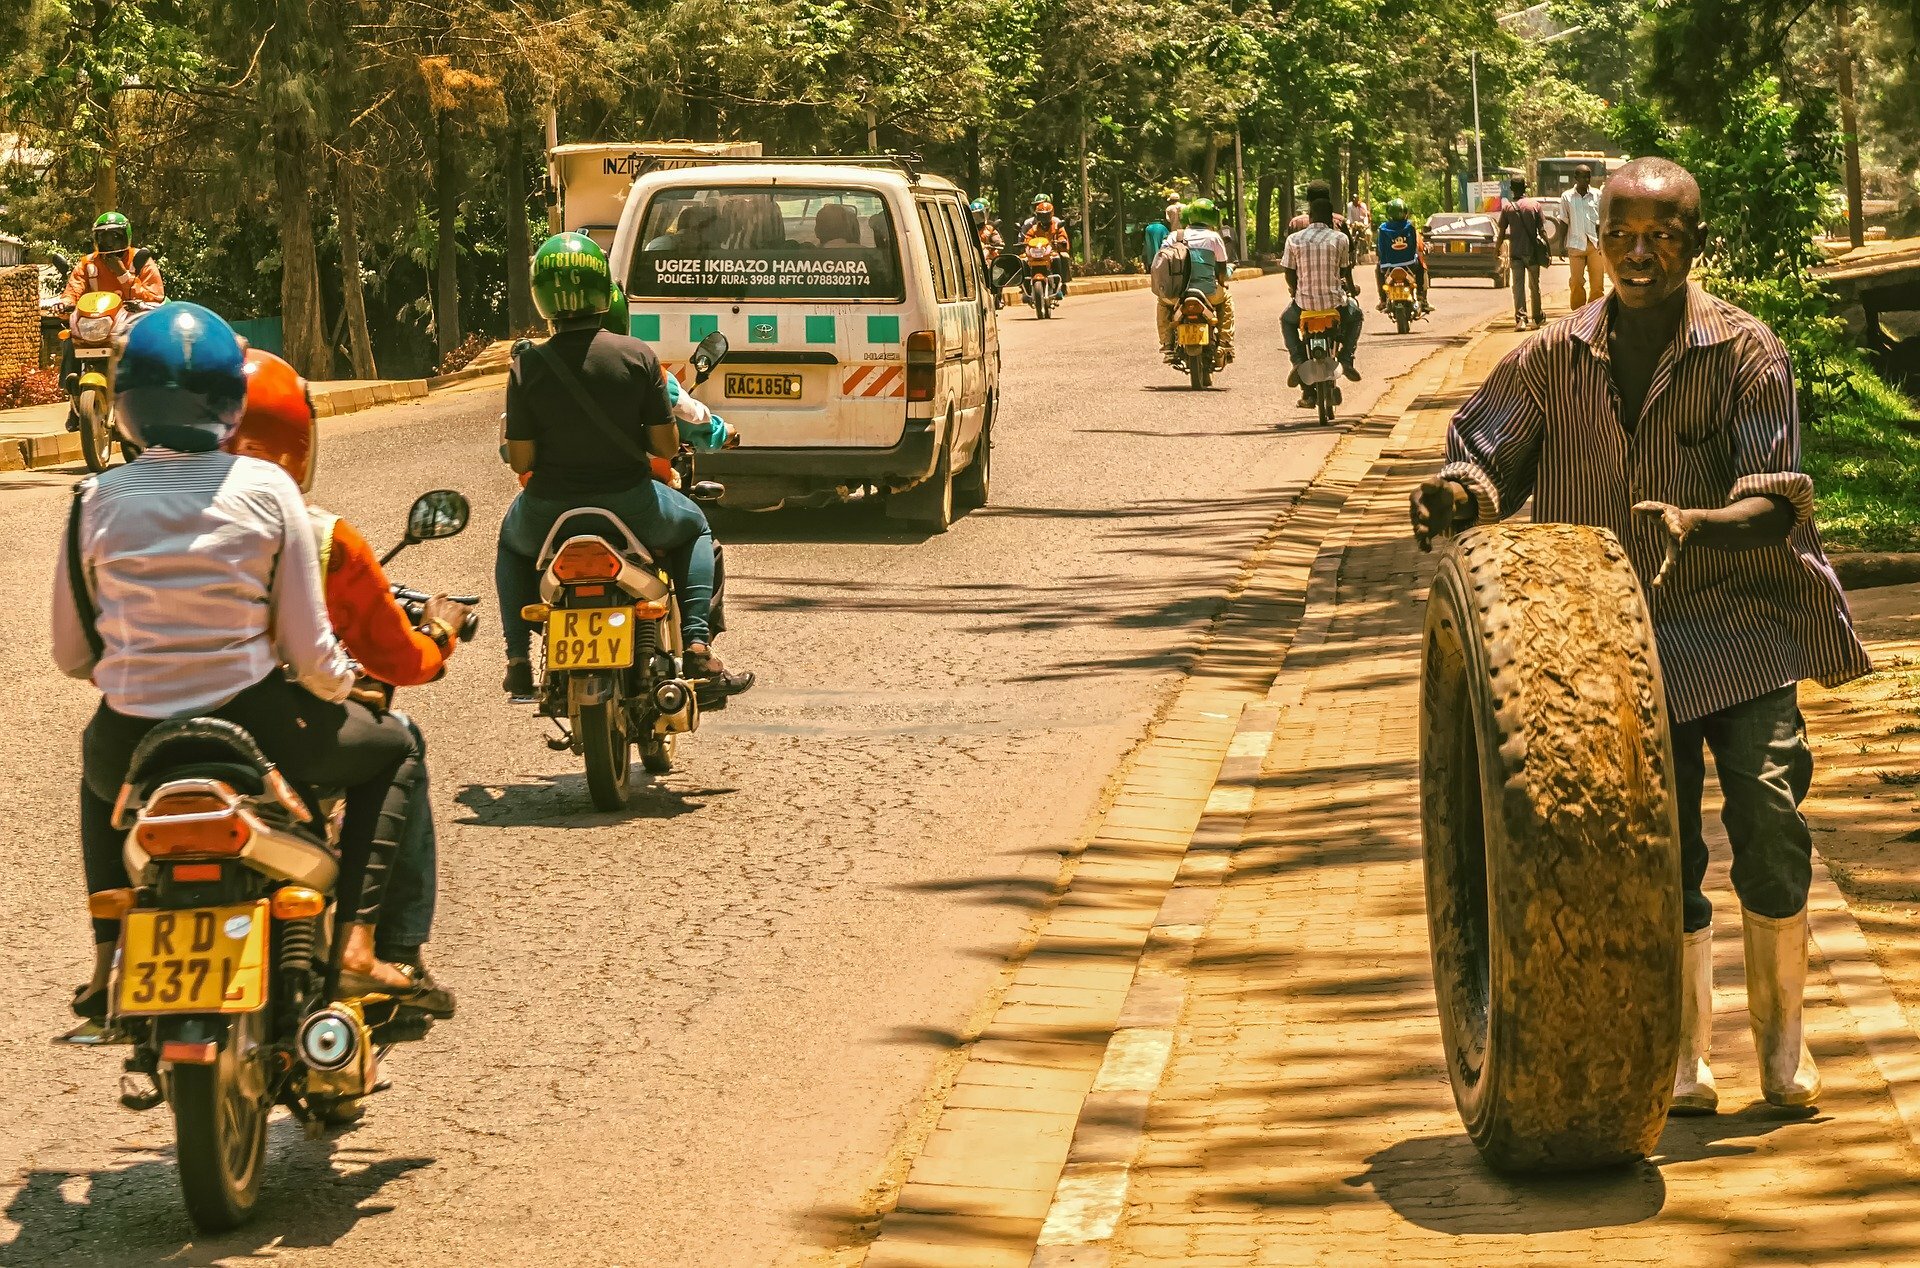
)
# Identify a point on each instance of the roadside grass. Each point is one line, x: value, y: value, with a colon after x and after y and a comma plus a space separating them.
x: 1865, y: 464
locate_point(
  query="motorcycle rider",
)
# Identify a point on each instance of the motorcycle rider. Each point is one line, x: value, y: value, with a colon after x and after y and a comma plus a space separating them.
x: 1044, y: 221
x: 168, y: 628
x: 1401, y: 246
x: 114, y: 266
x: 573, y: 463
x: 991, y: 243
x: 1208, y: 270
x: 1319, y: 265
x: 277, y: 427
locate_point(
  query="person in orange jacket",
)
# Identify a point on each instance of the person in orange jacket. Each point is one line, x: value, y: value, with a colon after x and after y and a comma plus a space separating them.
x: 384, y: 936
x: 115, y: 266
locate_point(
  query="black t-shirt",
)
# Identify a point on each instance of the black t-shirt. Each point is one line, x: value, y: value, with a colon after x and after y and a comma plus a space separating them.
x: 1634, y: 349
x: 574, y: 456
x: 1524, y: 225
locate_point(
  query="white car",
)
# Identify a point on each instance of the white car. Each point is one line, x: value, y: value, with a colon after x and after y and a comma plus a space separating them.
x: 865, y: 350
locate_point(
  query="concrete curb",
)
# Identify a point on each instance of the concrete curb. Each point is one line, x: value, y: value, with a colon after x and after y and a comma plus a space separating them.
x: 1029, y: 1161
x: 332, y: 404
x: 1866, y: 570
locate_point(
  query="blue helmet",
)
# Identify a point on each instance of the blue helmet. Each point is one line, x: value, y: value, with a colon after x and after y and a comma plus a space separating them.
x: 181, y: 382
x: 979, y: 204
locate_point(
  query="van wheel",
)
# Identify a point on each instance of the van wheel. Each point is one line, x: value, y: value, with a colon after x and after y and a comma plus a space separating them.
x: 975, y: 483
x: 929, y: 504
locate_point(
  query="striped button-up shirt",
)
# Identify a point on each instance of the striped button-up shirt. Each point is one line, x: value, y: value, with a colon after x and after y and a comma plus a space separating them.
x: 1720, y: 424
x: 1319, y: 256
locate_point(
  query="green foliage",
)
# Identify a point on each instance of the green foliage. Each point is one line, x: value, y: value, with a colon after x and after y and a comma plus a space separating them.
x: 1862, y: 459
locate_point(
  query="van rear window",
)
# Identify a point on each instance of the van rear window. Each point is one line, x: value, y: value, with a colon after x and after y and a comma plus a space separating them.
x: 766, y: 242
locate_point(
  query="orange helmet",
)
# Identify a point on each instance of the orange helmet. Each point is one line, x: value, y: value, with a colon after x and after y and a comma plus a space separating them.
x: 278, y: 422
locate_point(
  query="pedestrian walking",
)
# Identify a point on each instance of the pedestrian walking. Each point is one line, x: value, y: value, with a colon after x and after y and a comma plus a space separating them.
x: 1172, y: 214
x: 1155, y: 236
x: 1668, y: 417
x: 1586, y: 268
x: 1524, y: 230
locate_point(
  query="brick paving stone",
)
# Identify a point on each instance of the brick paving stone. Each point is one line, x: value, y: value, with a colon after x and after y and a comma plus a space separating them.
x: 1306, y: 1117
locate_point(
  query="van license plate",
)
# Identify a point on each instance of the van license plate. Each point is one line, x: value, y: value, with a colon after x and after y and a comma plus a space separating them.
x: 210, y: 960
x: 764, y: 387
x: 589, y: 638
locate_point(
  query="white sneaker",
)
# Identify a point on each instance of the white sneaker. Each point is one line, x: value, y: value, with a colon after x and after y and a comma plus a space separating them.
x: 1693, y: 1089
x: 1776, y: 984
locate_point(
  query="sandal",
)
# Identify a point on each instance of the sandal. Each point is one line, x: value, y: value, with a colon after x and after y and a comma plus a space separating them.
x: 421, y: 992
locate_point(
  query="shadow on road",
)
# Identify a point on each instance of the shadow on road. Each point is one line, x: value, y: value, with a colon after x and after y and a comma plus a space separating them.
x: 561, y: 801
x: 859, y: 522
x: 314, y: 1194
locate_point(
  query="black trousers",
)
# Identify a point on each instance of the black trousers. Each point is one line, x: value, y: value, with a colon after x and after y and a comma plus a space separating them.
x: 345, y: 746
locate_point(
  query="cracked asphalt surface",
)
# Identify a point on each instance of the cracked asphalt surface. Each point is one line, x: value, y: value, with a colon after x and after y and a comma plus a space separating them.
x: 690, y: 1034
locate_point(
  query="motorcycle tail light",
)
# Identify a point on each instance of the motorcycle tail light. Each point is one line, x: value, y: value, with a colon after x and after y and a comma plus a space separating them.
x: 295, y: 902
x: 586, y: 560
x: 922, y: 350
x: 110, y: 904
x: 183, y: 1052
x: 196, y: 872
x: 1194, y: 310
x: 594, y: 591
x: 222, y: 832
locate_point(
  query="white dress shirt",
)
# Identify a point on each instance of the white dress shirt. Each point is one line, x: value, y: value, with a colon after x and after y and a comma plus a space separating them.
x: 1583, y: 218
x: 203, y: 573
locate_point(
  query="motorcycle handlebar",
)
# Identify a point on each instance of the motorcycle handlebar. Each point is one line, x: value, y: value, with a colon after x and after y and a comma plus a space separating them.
x: 415, y: 601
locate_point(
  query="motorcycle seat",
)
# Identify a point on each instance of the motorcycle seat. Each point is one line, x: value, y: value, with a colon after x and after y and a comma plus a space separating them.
x: 207, y: 748
x: 593, y: 521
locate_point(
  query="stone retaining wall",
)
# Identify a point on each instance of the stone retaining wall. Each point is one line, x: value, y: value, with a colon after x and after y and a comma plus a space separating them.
x: 19, y: 319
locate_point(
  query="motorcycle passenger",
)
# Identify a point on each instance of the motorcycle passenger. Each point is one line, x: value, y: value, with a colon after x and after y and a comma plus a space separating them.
x: 1044, y: 221
x: 1400, y: 246
x: 574, y: 463
x: 1208, y: 271
x: 991, y: 243
x: 168, y: 628
x: 277, y: 427
x: 1319, y: 265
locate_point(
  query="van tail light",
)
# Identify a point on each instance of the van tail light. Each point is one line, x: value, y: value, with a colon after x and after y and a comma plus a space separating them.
x: 585, y: 559
x: 922, y: 359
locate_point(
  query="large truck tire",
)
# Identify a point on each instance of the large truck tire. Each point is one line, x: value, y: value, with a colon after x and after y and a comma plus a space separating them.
x: 1552, y: 848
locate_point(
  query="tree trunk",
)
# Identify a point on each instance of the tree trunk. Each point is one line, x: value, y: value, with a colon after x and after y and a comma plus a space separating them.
x: 1849, y: 120
x: 513, y: 178
x: 1210, y: 165
x: 1288, y: 207
x: 1121, y: 244
x: 1086, y: 195
x: 303, y: 325
x: 1263, y: 211
x: 353, y: 300
x: 973, y: 162
x: 446, y: 298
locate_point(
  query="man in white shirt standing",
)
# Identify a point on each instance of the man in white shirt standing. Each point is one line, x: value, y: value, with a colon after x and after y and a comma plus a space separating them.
x: 1586, y: 263
x: 188, y: 579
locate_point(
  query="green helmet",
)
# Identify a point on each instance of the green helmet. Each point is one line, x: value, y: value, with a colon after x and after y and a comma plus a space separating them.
x: 1201, y: 211
x: 571, y: 278
x: 111, y: 232
x: 617, y: 316
x: 1397, y: 209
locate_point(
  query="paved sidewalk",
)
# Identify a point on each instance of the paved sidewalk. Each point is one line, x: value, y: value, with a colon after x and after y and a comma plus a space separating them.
x: 1305, y: 1116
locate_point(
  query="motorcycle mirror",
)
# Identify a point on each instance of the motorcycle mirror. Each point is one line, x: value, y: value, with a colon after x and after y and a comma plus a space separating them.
x: 1005, y: 269
x: 441, y: 513
x: 60, y: 262
x: 708, y: 353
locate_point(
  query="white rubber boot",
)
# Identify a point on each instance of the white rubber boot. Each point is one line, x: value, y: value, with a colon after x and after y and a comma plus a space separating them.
x: 1776, y: 981
x: 1693, y: 1090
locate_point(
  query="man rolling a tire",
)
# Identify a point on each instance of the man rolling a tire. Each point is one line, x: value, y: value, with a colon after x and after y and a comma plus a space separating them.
x: 1669, y: 417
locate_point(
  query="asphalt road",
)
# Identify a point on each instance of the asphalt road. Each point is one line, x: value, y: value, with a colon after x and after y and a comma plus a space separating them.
x: 691, y: 1033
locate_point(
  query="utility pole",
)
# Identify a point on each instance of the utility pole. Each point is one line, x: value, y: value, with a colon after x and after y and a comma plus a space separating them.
x: 1849, y: 120
x: 1086, y: 194
x: 1479, y: 163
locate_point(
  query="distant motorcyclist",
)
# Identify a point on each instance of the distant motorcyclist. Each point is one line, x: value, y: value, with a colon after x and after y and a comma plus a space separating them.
x: 1043, y: 221
x: 377, y: 632
x: 991, y: 243
x: 194, y: 582
x: 1318, y: 261
x: 114, y: 265
x: 573, y: 463
x: 1208, y: 271
x: 1400, y: 246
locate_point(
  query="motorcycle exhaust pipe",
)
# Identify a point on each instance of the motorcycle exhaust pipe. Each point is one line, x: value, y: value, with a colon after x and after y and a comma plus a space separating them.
x: 330, y: 1039
x: 671, y: 696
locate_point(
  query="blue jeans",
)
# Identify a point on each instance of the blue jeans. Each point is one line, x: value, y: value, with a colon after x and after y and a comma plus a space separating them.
x: 671, y: 525
x: 1350, y: 319
x: 406, y: 918
x: 1765, y: 767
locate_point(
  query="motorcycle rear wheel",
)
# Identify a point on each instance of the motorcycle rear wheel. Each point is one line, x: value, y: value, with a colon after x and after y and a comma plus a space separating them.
x: 220, y: 1131
x: 1199, y: 368
x: 96, y: 428
x: 609, y: 754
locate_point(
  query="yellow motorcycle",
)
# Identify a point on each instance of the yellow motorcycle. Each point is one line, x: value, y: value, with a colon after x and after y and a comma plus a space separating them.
x: 1403, y: 297
x: 96, y: 328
